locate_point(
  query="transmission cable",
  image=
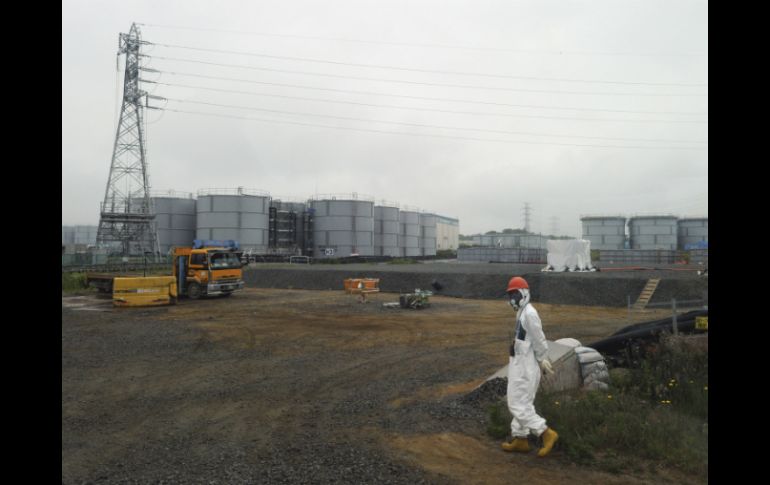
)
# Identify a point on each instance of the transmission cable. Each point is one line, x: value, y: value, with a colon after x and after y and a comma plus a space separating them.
x: 376, y: 79
x: 302, y: 98
x: 424, y: 134
x: 418, y: 125
x: 306, y: 59
x: 426, y: 71
x: 435, y: 46
x: 404, y: 96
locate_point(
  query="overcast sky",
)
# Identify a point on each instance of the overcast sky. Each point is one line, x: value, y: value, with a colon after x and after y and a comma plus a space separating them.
x: 493, y: 144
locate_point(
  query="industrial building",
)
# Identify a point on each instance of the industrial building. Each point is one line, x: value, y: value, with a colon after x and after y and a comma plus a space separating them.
x: 290, y: 231
x: 447, y: 233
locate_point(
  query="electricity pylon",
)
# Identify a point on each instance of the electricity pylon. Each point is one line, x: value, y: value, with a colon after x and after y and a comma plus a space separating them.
x: 126, y: 222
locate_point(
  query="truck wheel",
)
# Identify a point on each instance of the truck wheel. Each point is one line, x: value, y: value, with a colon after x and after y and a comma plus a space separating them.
x: 226, y: 293
x: 194, y: 291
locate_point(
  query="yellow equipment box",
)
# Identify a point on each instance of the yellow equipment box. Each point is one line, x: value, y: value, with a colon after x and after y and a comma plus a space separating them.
x: 361, y: 285
x: 147, y: 291
x: 702, y: 323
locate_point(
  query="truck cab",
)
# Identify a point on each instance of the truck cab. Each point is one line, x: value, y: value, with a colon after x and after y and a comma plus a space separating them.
x: 208, y: 268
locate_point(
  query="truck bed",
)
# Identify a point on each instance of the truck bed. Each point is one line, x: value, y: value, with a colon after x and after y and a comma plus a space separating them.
x: 103, y: 281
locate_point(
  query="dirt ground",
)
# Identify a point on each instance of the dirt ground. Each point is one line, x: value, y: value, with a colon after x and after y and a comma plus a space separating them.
x: 298, y: 386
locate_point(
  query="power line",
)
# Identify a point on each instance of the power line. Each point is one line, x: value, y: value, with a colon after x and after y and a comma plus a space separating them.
x: 458, y: 73
x: 385, y: 80
x: 417, y: 125
x: 251, y: 81
x: 417, y: 134
x: 434, y: 46
x: 302, y: 98
x: 436, y: 126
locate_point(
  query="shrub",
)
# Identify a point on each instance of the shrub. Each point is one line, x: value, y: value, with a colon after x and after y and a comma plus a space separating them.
x: 73, y: 282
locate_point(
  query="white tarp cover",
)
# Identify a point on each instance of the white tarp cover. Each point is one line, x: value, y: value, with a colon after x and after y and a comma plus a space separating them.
x: 569, y: 254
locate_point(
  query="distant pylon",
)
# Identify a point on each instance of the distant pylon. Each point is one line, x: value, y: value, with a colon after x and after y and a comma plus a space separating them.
x: 127, y: 219
x: 527, y: 215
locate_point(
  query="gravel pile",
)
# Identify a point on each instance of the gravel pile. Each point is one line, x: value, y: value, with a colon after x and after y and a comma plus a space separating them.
x: 488, y: 393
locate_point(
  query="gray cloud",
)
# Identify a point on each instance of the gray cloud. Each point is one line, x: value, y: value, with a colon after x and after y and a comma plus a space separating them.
x: 484, y: 183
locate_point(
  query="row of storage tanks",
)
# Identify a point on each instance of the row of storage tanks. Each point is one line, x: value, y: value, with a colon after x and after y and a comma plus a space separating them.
x: 503, y: 240
x: 644, y: 232
x: 78, y: 235
x: 331, y: 227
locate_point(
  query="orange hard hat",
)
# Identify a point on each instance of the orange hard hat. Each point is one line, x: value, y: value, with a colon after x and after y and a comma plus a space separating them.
x: 517, y: 283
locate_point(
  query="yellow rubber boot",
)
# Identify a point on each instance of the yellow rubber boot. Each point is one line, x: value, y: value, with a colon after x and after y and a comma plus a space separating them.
x: 517, y: 444
x: 549, y: 438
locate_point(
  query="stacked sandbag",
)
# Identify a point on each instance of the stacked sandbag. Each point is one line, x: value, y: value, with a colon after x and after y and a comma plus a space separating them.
x: 593, y: 368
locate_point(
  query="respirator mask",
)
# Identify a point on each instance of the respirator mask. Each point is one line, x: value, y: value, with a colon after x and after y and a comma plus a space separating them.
x: 516, y: 297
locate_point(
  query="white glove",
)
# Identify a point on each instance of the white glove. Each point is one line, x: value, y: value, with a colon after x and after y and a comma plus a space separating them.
x: 546, y: 367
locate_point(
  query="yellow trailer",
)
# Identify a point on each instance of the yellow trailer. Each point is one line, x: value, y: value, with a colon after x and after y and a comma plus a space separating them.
x: 147, y: 291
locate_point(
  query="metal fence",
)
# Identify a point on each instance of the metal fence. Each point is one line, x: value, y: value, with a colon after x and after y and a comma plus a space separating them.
x: 652, y: 256
x: 676, y: 306
x: 699, y: 256
x: 502, y: 255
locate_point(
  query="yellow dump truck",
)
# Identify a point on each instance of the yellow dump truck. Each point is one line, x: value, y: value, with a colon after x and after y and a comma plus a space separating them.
x: 208, y: 268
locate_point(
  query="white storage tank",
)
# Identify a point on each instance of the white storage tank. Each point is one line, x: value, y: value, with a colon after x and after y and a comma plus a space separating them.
x: 79, y: 235
x: 533, y: 241
x: 386, y: 229
x: 239, y: 214
x: 67, y: 235
x: 605, y: 232
x: 342, y: 225
x: 692, y: 230
x: 86, y: 235
x: 175, y: 219
x: 653, y: 232
x: 427, y: 234
x: 409, y: 233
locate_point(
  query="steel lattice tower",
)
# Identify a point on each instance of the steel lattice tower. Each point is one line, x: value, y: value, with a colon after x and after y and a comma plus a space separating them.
x: 127, y: 218
x: 527, y: 214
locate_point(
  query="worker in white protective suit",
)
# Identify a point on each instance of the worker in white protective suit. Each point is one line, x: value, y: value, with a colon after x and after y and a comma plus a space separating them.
x: 527, y: 359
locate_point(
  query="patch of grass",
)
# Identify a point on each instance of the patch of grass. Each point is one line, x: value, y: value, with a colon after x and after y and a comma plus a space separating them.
x: 608, y: 429
x: 676, y: 373
x: 499, y: 420
x: 73, y: 282
x: 402, y: 261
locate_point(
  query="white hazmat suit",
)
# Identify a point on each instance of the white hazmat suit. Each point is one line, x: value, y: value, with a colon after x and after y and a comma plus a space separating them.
x: 530, y: 348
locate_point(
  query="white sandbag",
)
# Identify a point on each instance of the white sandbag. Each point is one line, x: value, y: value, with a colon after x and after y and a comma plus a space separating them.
x: 569, y: 341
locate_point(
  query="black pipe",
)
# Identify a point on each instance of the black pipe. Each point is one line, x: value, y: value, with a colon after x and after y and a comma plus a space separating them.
x: 683, y: 317
x: 646, y: 332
